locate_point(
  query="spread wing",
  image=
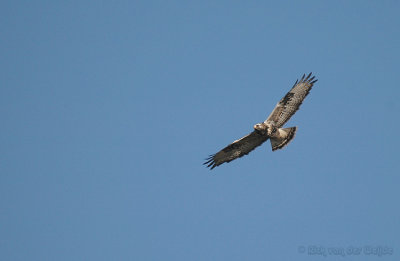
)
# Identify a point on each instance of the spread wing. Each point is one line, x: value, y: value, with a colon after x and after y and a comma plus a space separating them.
x: 236, y: 150
x: 289, y: 104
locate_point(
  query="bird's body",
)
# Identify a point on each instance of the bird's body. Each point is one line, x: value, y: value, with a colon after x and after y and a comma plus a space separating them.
x: 271, y: 128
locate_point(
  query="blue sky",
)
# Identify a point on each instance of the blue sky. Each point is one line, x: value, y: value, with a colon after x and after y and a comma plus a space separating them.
x: 108, y: 109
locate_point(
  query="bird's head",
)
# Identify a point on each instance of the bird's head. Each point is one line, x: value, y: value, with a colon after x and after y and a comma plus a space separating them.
x: 260, y: 128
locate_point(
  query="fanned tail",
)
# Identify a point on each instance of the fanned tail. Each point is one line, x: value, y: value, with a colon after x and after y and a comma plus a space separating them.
x: 286, y: 135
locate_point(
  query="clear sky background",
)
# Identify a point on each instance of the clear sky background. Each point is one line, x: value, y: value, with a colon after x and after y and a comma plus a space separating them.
x: 108, y: 109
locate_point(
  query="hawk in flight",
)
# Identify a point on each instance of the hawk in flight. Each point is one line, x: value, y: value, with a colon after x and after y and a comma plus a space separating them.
x: 271, y: 128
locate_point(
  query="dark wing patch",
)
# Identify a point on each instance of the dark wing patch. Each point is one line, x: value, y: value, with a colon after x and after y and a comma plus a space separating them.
x: 289, y: 104
x: 236, y: 149
x: 285, y: 100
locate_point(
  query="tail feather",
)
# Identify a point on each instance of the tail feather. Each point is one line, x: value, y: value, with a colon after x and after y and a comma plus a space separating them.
x: 286, y: 135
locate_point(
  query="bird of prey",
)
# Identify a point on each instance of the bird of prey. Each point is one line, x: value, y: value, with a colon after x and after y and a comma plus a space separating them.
x: 271, y: 128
